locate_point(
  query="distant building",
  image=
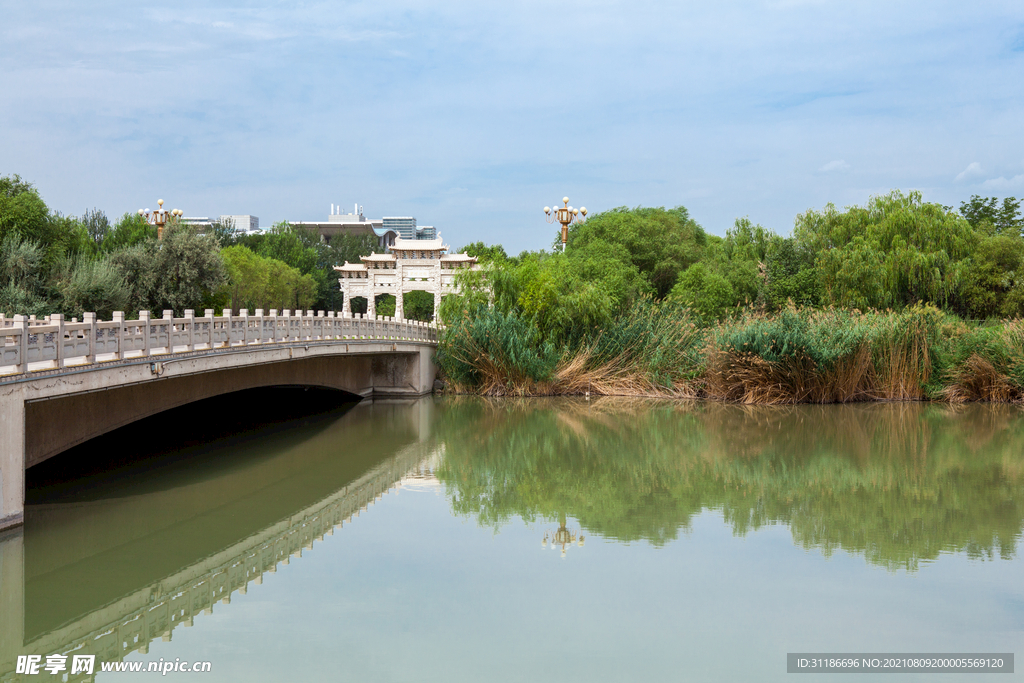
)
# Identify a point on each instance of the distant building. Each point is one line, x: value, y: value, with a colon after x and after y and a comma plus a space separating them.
x: 355, y: 223
x: 197, y: 221
x: 243, y: 225
x: 386, y: 230
x: 406, y: 228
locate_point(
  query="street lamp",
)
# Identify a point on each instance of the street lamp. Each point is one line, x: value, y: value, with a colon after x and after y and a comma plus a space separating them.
x: 566, y: 216
x: 159, y: 217
x: 562, y: 537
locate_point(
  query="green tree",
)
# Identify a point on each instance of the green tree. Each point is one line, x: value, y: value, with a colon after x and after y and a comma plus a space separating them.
x: 659, y: 243
x: 418, y: 305
x: 130, y: 230
x: 23, y: 213
x: 384, y: 304
x: 707, y: 293
x: 987, y: 215
x: 996, y: 282
x: 187, y: 268
x: 96, y: 224
x: 895, y: 251
x: 137, y: 266
x: 20, y: 272
x: 485, y: 253
x: 255, y: 282
x: 87, y: 284
x: 789, y: 274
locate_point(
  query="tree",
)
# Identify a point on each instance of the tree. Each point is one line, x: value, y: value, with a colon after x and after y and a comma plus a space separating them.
x: 130, y: 230
x: 20, y: 284
x: 894, y: 252
x: 23, y: 213
x: 789, y: 274
x: 187, y: 267
x: 485, y: 253
x: 705, y: 292
x: 418, y: 305
x: 255, y: 281
x: 659, y: 243
x: 996, y: 282
x: 88, y: 284
x: 136, y: 265
x: 96, y: 224
x: 987, y: 215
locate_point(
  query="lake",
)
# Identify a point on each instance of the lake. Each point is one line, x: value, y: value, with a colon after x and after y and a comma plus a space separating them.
x: 467, y: 539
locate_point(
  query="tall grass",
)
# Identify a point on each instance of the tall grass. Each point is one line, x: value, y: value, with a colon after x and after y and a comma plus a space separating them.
x: 795, y: 356
x: 497, y: 354
x: 988, y: 365
x: 824, y: 356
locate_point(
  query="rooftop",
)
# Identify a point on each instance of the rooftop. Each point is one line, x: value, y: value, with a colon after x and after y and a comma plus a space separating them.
x: 402, y: 244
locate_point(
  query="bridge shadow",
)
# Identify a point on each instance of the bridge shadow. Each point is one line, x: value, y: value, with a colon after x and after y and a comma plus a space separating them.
x: 205, y: 436
x: 118, y: 554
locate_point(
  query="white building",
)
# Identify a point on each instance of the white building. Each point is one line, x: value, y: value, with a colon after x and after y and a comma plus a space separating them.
x: 243, y: 224
x: 412, y: 265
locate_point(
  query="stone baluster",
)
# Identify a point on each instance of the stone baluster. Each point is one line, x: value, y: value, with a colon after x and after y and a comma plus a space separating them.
x: 169, y: 322
x: 259, y: 325
x: 244, y: 315
x: 226, y: 315
x: 90, y: 337
x: 190, y: 323
x: 208, y: 318
x: 144, y: 326
x: 118, y: 317
x: 321, y: 321
x: 274, y: 322
x: 58, y: 337
x: 21, y: 323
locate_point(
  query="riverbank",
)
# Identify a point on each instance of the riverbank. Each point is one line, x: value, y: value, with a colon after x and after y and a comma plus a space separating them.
x: 795, y: 356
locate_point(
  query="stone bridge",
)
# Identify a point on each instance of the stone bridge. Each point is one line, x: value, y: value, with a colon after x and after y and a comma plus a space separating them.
x: 268, y: 515
x: 65, y: 382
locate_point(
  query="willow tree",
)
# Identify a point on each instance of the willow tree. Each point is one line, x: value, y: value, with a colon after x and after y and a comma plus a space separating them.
x: 895, y: 251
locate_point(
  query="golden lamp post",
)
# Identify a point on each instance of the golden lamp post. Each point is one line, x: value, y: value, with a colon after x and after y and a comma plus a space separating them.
x: 160, y: 217
x: 562, y: 537
x: 566, y: 216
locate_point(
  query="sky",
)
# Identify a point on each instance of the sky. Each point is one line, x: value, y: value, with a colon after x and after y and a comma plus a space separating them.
x: 473, y: 116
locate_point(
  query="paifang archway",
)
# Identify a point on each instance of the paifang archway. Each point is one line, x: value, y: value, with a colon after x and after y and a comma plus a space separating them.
x: 411, y: 265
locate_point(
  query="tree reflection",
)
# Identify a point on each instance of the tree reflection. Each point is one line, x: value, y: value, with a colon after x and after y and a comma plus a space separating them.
x: 898, y: 483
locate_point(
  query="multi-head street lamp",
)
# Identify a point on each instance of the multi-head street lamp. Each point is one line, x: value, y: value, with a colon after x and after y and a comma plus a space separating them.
x: 566, y: 216
x: 160, y: 217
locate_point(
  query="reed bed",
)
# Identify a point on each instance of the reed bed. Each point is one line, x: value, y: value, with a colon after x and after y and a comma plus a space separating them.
x: 794, y: 356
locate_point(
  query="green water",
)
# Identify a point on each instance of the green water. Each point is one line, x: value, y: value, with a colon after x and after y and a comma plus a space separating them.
x: 463, y: 539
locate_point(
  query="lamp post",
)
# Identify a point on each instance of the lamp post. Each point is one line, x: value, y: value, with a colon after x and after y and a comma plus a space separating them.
x: 566, y: 216
x: 562, y: 537
x: 160, y: 217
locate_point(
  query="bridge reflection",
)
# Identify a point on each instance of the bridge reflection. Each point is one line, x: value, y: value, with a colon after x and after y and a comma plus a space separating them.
x: 110, y: 571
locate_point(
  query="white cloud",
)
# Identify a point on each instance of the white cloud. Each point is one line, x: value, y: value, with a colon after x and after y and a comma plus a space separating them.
x: 973, y: 169
x: 1003, y: 183
x: 837, y: 165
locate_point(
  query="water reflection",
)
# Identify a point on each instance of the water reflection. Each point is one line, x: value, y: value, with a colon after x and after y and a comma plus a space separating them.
x: 897, y: 483
x: 121, y: 564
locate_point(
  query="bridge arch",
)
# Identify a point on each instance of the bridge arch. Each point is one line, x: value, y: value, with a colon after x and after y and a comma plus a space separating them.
x: 85, y: 415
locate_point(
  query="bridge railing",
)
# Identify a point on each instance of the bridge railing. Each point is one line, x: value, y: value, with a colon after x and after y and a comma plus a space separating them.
x: 54, y: 342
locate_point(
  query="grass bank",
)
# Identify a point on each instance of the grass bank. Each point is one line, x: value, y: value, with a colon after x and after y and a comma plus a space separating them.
x: 795, y: 356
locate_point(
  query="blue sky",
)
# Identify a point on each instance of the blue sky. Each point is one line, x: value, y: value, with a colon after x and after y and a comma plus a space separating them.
x: 472, y: 116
